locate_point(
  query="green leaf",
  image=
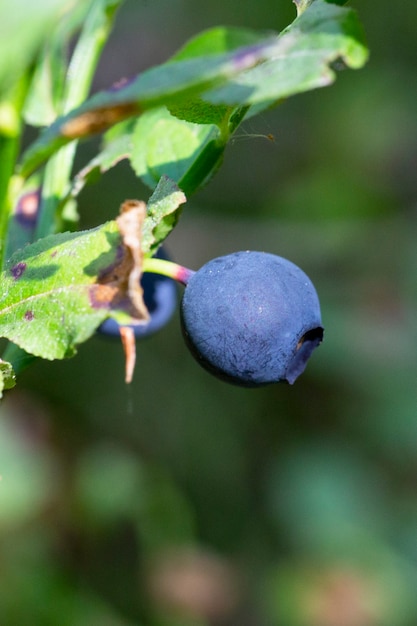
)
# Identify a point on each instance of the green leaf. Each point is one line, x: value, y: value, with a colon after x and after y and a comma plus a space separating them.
x: 94, y: 34
x: 165, y: 145
x: 272, y: 68
x: 303, y: 59
x: 117, y: 145
x: 49, y: 91
x: 216, y: 40
x: 200, y: 112
x: 45, y: 95
x: 23, y: 25
x: 96, y: 27
x: 57, y: 291
x: 166, y: 84
x: 7, y: 376
x: 210, y: 89
x: 219, y: 40
x: 162, y: 214
x: 158, y: 144
x: 49, y: 301
x: 41, y: 106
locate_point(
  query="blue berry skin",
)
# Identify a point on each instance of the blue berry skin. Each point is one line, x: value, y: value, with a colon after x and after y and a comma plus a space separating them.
x: 160, y: 296
x: 251, y: 318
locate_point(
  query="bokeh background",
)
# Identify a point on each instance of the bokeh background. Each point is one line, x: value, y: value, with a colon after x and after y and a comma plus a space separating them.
x: 180, y: 500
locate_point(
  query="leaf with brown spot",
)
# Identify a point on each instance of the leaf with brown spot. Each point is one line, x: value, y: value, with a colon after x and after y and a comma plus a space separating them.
x: 56, y: 280
x: 97, y: 120
x: 168, y: 83
x: 55, y: 293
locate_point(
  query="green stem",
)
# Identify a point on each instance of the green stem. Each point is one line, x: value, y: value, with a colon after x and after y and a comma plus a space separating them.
x: 168, y: 268
x: 203, y: 168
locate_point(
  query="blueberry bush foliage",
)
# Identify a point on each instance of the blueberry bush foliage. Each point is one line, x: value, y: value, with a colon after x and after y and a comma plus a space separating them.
x: 179, y: 500
x: 171, y: 122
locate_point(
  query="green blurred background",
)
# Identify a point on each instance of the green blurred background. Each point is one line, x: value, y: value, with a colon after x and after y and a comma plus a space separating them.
x: 180, y: 500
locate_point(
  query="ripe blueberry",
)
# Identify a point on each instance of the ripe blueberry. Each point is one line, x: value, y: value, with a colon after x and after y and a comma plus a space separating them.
x: 160, y: 296
x: 251, y: 318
